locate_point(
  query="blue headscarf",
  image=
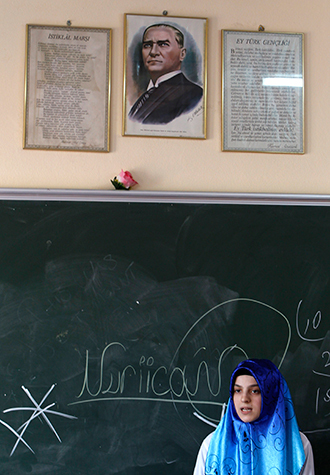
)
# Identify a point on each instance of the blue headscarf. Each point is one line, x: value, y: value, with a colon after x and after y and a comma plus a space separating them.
x: 270, y: 445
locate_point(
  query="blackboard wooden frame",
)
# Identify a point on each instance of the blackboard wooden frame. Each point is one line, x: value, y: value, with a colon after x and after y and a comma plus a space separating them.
x: 225, y: 274
x: 44, y: 194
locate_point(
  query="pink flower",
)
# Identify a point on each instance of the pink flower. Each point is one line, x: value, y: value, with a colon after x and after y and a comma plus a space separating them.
x: 123, y: 181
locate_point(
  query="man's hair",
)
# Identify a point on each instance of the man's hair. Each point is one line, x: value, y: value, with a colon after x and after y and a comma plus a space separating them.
x: 177, y: 33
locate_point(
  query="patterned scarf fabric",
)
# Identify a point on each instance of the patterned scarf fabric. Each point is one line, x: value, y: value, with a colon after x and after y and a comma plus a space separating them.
x: 271, y: 445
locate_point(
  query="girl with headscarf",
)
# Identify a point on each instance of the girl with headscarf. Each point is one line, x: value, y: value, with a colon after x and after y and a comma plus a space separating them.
x: 258, y: 435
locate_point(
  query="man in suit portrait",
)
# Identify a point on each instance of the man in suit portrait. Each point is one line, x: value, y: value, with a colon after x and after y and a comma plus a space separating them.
x: 169, y: 93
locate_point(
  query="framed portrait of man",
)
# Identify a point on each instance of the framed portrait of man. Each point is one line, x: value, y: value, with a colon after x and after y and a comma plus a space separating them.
x: 165, y: 76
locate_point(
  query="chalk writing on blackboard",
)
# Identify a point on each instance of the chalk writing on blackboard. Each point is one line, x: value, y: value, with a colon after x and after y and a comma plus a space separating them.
x: 37, y: 411
x: 144, y: 380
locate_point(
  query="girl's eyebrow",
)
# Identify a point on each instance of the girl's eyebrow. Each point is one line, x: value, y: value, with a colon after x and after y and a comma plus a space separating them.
x: 250, y: 386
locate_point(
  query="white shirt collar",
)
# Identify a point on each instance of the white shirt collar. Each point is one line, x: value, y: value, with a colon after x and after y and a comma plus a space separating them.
x: 165, y: 77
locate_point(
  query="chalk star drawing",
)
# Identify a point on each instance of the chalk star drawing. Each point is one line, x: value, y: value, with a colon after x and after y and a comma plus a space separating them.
x: 37, y: 410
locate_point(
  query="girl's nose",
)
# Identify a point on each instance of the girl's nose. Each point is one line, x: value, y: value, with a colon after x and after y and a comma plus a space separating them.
x: 245, y: 396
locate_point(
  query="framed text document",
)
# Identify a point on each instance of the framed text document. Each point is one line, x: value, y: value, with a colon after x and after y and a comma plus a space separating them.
x: 262, y: 92
x: 67, y: 88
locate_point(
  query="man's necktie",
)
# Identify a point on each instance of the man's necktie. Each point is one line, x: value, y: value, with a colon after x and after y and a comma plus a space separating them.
x: 141, y: 101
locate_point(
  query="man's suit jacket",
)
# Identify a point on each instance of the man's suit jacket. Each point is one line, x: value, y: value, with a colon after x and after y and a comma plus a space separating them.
x: 169, y: 100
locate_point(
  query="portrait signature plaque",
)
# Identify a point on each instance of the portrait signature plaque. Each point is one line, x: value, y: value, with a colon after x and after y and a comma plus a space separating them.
x: 67, y: 88
x: 262, y: 92
x: 165, y: 76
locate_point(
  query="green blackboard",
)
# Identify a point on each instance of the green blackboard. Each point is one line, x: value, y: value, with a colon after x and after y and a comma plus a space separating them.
x: 123, y: 314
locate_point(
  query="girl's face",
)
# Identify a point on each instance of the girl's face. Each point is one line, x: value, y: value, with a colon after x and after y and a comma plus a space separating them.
x: 247, y: 398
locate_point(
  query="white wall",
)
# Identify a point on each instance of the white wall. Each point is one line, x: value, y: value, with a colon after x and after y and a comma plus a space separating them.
x: 160, y: 163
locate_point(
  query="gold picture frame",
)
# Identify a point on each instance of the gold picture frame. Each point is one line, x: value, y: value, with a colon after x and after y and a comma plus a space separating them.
x: 67, y: 88
x: 177, y: 108
x: 262, y: 92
